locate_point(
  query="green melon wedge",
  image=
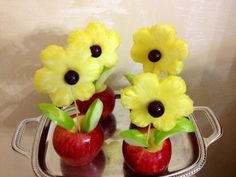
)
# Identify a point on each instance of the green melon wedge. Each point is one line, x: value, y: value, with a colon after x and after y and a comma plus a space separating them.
x: 134, y: 137
x: 183, y: 125
x: 92, y: 116
x: 58, y: 116
x: 103, y: 77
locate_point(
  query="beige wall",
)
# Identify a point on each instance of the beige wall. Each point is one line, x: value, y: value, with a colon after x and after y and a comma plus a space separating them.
x: 26, y: 27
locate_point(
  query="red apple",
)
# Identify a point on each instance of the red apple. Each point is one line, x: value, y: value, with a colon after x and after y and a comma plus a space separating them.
x: 77, y: 149
x: 107, y: 97
x: 142, y: 161
x: 108, y: 125
x: 92, y: 169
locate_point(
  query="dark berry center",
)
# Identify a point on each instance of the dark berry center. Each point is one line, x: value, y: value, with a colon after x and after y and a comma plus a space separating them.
x: 156, y: 109
x: 96, y: 51
x: 154, y: 55
x: 71, y: 77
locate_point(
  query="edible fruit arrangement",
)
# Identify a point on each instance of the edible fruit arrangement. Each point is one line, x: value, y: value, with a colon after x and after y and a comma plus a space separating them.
x: 156, y: 99
x: 77, y: 75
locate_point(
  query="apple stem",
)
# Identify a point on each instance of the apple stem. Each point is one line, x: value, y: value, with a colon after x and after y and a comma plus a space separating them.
x: 77, y: 124
x: 148, y: 132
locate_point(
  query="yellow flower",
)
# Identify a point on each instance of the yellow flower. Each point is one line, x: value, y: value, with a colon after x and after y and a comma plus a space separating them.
x: 67, y: 75
x: 157, y: 101
x: 102, y: 43
x: 158, y: 49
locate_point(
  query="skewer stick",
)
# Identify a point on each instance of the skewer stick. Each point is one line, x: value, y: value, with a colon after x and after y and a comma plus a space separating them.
x: 77, y: 122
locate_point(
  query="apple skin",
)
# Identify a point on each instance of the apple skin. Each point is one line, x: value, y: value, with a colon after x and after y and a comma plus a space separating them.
x: 108, y: 125
x: 141, y: 161
x: 107, y: 97
x: 130, y: 173
x: 92, y: 169
x: 77, y: 149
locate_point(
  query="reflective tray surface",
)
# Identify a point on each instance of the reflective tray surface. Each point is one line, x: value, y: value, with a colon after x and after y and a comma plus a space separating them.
x: 189, y: 150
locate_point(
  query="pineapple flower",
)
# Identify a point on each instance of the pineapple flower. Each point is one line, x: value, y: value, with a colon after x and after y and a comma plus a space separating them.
x: 101, y: 43
x: 158, y: 49
x: 67, y: 74
x: 157, y: 101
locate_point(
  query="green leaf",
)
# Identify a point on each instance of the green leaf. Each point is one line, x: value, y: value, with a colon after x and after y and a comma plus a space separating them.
x: 182, y: 125
x: 103, y: 77
x: 58, y: 116
x: 92, y: 116
x: 134, y: 137
x: 130, y: 77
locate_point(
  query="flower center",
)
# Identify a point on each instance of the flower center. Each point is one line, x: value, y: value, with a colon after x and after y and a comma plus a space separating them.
x: 154, y: 55
x: 96, y: 51
x: 156, y: 109
x: 71, y: 77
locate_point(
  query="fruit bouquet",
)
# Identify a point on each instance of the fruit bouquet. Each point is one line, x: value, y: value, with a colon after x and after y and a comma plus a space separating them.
x: 157, y: 100
x: 81, y: 109
x: 76, y: 75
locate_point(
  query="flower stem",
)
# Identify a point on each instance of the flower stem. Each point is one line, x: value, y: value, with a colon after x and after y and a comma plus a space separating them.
x: 77, y: 124
x: 148, y: 132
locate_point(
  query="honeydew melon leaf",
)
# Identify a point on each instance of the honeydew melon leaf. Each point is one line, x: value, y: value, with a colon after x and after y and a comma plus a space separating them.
x: 130, y: 77
x: 134, y: 137
x: 182, y: 125
x: 92, y: 116
x: 58, y: 116
x: 103, y: 77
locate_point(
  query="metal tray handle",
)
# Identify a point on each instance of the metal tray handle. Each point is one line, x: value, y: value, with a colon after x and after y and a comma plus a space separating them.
x: 216, y: 127
x: 16, y: 140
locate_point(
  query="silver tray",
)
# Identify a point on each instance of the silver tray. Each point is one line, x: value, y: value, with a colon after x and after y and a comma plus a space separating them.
x: 189, y: 150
